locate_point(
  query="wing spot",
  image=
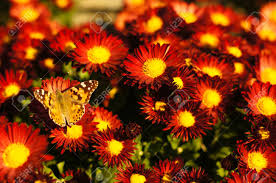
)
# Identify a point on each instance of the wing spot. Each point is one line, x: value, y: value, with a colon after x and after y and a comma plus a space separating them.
x: 83, y: 84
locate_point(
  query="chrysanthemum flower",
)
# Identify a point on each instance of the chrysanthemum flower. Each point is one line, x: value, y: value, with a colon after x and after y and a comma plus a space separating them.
x: 73, y: 138
x: 166, y: 170
x: 155, y: 107
x: 105, y: 119
x: 208, y: 37
x: 214, y: 66
x: 63, y: 4
x: 11, y: 83
x: 136, y: 174
x: 23, y: 2
x: 64, y: 41
x: 213, y: 94
x: 262, y: 135
x: 267, y: 31
x: 183, y: 79
x: 252, y: 177
x: 266, y: 68
x: 100, y: 52
x: 195, y: 175
x: 221, y: 16
x: 261, y: 99
x: 20, y: 147
x: 262, y: 160
x: 38, y: 177
x: 268, y: 12
x: 77, y: 176
x: 39, y: 31
x: 189, y: 122
x: 190, y: 13
x: 29, y: 12
x: 111, y: 150
x: 149, y: 64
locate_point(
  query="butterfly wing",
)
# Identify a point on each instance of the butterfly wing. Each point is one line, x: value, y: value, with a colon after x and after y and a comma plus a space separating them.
x: 43, y: 97
x: 78, y: 96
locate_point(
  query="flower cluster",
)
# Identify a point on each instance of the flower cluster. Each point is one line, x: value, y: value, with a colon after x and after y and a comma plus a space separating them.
x: 174, y: 78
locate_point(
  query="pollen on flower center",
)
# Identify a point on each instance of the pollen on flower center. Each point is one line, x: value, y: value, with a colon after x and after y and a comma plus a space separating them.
x: 11, y: 90
x: 257, y: 161
x: 235, y: 51
x: 30, y: 53
x: 115, y: 147
x: 49, y: 63
x: 220, y: 19
x: 29, y: 15
x: 264, y: 133
x: 186, y: 119
x: 69, y: 46
x: 266, y: 106
x: 102, y: 125
x: 268, y: 75
x: 178, y: 82
x: 154, y: 67
x: 74, y: 132
x: 98, y: 55
x: 209, y: 40
x: 212, y: 71
x: 37, y: 35
x: 160, y: 106
x: 239, y: 68
x: 189, y: 17
x: 153, y: 24
x: 211, y: 98
x: 137, y: 178
x: 15, y: 155
x: 166, y: 178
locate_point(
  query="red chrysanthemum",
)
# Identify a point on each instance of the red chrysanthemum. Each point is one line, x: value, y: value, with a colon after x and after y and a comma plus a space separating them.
x: 166, y: 170
x: 105, y: 119
x: 268, y: 12
x: 195, y: 175
x: 149, y: 64
x: 20, y: 148
x: 23, y: 2
x: 64, y: 41
x: 214, y: 66
x: 213, y: 94
x: 252, y: 177
x: 266, y: 68
x: 100, y: 52
x: 189, y: 122
x: 261, y: 99
x: 11, y: 83
x: 136, y: 173
x: 38, y: 31
x: 112, y: 150
x: 262, y: 160
x: 74, y: 138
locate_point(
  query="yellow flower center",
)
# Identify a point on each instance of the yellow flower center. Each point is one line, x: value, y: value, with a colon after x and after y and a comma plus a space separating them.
x: 264, y: 133
x: 98, y: 55
x: 137, y: 2
x: 266, y: 106
x: 211, y: 98
x: 211, y: 71
x: 11, y: 90
x: 49, y: 63
x: 37, y: 35
x: 62, y: 3
x: 189, y: 17
x: 69, y: 46
x: 257, y: 161
x: 166, y: 178
x: 245, y: 24
x: 74, y: 132
x: 30, y: 53
x: 160, y: 106
x: 209, y: 40
x: 239, y: 68
x: 267, y: 34
x: 115, y: 147
x: 137, y: 178
x: 268, y: 75
x: 186, y: 119
x: 29, y: 14
x: 154, y: 67
x: 273, y: 16
x: 154, y: 24
x: 161, y: 41
x: 235, y: 51
x: 178, y: 82
x: 15, y: 155
x: 21, y: 1
x: 39, y: 181
x: 102, y: 125
x: 220, y: 19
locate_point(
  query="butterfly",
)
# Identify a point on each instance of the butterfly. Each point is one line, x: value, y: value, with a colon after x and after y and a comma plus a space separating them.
x: 67, y: 107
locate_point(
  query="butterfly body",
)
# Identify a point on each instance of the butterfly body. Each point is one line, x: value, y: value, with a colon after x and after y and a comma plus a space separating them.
x: 67, y: 107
